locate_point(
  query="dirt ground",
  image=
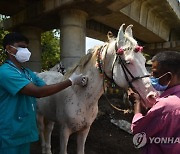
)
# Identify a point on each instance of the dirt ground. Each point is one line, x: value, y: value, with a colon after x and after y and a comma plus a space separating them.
x: 103, y: 138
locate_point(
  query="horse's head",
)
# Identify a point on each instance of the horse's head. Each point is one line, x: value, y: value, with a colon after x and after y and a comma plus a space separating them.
x: 125, y: 64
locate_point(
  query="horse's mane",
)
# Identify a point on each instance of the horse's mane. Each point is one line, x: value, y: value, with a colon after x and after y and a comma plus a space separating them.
x: 85, y: 59
x: 82, y: 62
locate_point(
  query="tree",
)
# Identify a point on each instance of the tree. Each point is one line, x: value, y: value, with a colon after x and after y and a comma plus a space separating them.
x: 2, y: 52
x: 50, y: 49
x: 2, y: 34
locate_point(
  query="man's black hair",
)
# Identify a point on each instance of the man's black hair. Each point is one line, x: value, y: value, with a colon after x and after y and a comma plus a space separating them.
x: 14, y: 37
x: 168, y: 61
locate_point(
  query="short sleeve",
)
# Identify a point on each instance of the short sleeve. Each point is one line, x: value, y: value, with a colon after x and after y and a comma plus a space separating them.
x: 12, y: 80
x: 39, y: 82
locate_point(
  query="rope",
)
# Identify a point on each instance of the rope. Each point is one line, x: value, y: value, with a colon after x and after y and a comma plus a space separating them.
x: 116, y: 108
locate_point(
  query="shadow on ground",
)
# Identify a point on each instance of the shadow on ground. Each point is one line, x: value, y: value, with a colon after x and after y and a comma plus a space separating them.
x: 103, y: 138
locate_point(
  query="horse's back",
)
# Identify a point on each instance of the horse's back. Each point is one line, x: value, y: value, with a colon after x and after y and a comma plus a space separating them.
x: 51, y: 77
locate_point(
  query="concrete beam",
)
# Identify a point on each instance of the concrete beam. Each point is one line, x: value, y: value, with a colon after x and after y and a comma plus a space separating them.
x: 175, y: 4
x: 153, y: 20
x: 154, y: 48
x: 98, y: 30
x: 41, y: 11
x: 150, y: 15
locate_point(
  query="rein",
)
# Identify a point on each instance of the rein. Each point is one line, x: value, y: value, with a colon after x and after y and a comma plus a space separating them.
x: 102, y: 72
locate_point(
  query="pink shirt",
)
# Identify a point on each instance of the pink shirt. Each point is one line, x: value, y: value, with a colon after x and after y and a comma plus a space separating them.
x: 161, y: 121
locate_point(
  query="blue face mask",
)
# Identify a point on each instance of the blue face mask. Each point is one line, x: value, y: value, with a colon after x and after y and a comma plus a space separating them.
x: 156, y: 85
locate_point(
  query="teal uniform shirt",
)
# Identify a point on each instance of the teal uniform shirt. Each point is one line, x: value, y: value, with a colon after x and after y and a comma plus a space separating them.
x: 17, y: 111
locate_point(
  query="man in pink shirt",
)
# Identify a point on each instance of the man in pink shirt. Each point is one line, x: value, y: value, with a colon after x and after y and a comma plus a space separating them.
x: 157, y: 131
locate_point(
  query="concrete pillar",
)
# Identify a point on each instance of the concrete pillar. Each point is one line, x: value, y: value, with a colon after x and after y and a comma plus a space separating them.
x: 34, y: 36
x: 73, y: 36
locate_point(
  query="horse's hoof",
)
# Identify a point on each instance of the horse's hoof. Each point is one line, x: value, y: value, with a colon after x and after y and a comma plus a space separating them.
x: 49, y: 152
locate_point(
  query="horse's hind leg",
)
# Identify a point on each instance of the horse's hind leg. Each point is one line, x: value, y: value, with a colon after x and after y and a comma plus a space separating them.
x: 45, y: 131
x: 81, y: 139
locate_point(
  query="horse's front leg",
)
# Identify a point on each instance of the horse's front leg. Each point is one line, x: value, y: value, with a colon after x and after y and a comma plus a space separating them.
x: 81, y: 139
x: 41, y: 127
x: 64, y: 137
x: 49, y: 125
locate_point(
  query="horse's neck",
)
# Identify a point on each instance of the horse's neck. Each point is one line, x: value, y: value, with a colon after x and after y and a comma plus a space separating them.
x: 95, y: 79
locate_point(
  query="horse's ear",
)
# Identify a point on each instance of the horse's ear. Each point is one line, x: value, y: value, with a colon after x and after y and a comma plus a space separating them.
x: 128, y: 34
x: 128, y: 31
x: 120, y: 36
x: 110, y: 36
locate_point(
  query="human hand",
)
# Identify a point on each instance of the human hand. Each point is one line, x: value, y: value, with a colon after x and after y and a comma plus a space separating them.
x: 78, y: 79
x: 136, y: 100
x: 133, y: 97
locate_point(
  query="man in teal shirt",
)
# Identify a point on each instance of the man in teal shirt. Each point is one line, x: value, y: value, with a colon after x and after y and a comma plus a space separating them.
x: 19, y: 88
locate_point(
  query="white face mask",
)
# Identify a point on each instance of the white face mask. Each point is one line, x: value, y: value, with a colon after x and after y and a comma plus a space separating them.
x: 22, y: 54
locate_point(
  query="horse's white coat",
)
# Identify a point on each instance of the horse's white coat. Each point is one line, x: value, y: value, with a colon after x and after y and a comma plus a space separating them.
x: 76, y: 107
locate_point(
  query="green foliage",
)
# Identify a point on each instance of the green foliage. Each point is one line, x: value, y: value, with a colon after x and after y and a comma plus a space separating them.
x: 2, y: 52
x: 147, y: 56
x: 50, y: 46
x: 50, y: 50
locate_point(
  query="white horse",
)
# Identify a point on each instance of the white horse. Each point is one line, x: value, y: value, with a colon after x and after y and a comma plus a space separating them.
x: 76, y: 107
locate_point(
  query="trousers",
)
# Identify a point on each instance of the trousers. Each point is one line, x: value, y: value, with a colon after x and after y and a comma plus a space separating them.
x: 20, y: 149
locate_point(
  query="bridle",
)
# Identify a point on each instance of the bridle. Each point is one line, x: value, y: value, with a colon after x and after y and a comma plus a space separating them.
x: 122, y: 62
x: 126, y: 71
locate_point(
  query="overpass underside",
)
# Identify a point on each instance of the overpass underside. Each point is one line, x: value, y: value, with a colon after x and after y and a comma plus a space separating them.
x: 156, y: 22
